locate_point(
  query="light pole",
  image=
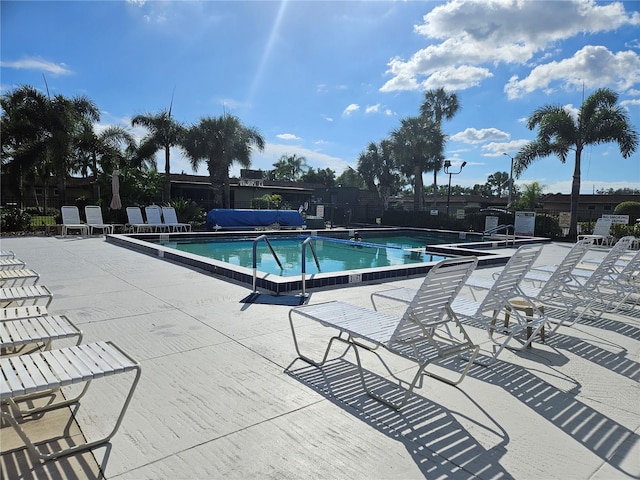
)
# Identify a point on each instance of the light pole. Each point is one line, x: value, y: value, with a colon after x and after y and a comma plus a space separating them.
x: 510, y: 179
x: 447, y: 170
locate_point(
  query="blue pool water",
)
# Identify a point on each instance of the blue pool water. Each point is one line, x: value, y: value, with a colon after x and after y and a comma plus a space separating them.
x: 334, y: 254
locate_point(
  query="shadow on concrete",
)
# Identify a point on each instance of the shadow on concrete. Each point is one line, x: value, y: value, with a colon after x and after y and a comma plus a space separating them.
x: 438, y: 442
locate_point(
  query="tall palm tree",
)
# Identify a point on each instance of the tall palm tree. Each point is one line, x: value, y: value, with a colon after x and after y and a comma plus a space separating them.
x: 164, y: 133
x: 439, y: 104
x: 220, y: 142
x: 599, y: 120
x: 417, y: 140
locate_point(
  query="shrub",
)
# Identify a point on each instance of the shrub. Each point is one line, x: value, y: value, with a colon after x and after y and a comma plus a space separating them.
x: 15, y: 220
x: 618, y: 230
x: 628, y: 208
x: 547, y: 226
x: 188, y: 211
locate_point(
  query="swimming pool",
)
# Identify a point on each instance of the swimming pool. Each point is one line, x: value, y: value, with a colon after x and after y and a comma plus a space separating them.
x: 283, y: 255
x: 406, y: 259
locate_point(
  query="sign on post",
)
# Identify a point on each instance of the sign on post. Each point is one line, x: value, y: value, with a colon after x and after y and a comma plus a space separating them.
x: 525, y: 224
x: 621, y: 219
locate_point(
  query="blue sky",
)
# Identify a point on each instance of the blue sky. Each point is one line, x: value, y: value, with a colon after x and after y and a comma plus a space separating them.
x: 324, y: 79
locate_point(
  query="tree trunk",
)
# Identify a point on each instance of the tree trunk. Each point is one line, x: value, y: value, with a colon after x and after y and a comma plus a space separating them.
x: 575, y: 196
x: 417, y: 189
x: 435, y: 186
x: 227, y: 189
x: 166, y: 193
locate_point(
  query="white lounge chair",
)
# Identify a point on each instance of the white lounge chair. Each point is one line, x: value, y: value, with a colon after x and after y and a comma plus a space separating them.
x: 500, y: 299
x: 24, y: 296
x: 171, y: 220
x: 18, y: 277
x: 14, y: 313
x: 23, y: 376
x: 11, y: 264
x: 154, y: 217
x: 567, y: 298
x: 95, y: 221
x: 557, y: 311
x: 421, y: 334
x: 136, y: 223
x: 41, y: 329
x: 71, y: 220
x: 601, y: 232
x: 6, y: 254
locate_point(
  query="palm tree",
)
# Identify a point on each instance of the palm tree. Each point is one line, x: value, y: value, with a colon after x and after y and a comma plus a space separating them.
x: 164, y: 133
x: 377, y: 163
x: 438, y: 105
x: 289, y: 168
x: 220, y: 142
x: 599, y: 120
x: 417, y: 140
x: 42, y: 133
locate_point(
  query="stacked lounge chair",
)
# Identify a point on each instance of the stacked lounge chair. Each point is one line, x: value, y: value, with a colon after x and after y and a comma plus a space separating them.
x: 30, y: 367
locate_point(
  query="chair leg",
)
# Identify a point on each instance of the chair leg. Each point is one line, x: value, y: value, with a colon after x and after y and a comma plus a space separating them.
x: 77, y: 448
x: 309, y: 360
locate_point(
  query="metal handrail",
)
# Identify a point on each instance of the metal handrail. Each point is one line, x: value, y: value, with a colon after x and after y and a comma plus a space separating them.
x: 255, y: 260
x: 306, y: 242
x: 499, y: 228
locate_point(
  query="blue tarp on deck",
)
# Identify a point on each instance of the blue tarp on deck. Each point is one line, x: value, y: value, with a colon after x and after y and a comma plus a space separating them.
x: 248, y: 219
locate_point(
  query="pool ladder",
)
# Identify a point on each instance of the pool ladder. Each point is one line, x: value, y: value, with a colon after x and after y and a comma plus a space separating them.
x: 306, y: 242
x: 500, y: 228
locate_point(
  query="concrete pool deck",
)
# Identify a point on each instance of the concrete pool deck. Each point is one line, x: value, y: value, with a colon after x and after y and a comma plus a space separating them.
x: 215, y: 400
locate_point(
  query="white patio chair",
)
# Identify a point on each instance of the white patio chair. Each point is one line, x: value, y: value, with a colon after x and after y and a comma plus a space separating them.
x: 136, y: 223
x: 41, y: 330
x: 567, y: 297
x: 95, y: 221
x: 421, y: 334
x: 6, y: 254
x: 11, y: 264
x: 14, y: 313
x: 544, y: 294
x: 171, y: 220
x: 24, y: 296
x: 154, y: 218
x: 18, y: 277
x: 23, y: 376
x: 71, y: 221
x: 601, y: 232
x: 501, y: 298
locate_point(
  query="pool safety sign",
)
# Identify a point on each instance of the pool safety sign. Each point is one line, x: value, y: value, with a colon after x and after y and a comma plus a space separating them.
x: 525, y: 224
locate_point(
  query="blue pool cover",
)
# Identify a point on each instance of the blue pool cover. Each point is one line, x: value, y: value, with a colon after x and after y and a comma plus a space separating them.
x: 248, y: 219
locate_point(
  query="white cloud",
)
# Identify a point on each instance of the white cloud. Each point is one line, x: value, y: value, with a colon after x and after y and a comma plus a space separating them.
x: 457, y: 78
x: 478, y: 32
x: 496, y: 149
x: 287, y: 136
x: 632, y: 102
x: 591, y: 66
x: 273, y: 151
x: 473, y: 135
x: 372, y: 108
x: 37, y: 64
x: 354, y: 107
x: 327, y: 118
